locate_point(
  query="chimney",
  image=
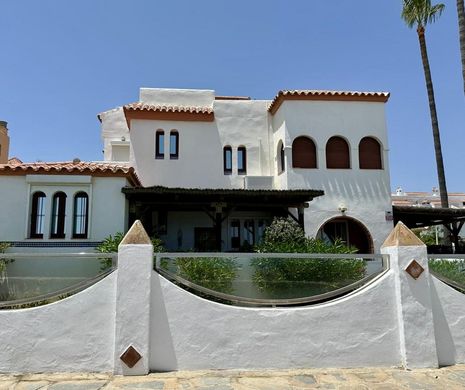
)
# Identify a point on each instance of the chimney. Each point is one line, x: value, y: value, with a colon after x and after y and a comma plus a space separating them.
x: 4, y: 142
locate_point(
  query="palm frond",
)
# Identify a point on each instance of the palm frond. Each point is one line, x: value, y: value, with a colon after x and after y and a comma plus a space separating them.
x: 420, y: 12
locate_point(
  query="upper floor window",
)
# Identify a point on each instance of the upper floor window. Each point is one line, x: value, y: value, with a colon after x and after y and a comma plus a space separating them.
x: 337, y: 153
x: 160, y: 144
x: 369, y: 154
x: 281, y: 158
x: 80, y: 215
x: 227, y: 160
x: 241, y: 160
x: 37, y: 215
x: 174, y: 144
x: 58, y: 215
x: 303, y: 153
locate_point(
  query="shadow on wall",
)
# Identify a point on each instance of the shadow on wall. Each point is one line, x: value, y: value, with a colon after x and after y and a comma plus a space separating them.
x: 162, y: 352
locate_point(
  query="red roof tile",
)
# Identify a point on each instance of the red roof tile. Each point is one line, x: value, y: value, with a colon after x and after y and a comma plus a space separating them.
x: 76, y: 167
x: 308, y: 94
x: 164, y: 108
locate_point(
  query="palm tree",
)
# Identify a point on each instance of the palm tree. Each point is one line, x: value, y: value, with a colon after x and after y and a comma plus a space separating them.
x: 418, y: 13
x: 461, y: 15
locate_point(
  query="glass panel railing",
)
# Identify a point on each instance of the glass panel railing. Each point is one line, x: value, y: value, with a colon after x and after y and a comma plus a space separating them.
x: 29, y: 279
x: 449, y: 268
x: 270, y: 279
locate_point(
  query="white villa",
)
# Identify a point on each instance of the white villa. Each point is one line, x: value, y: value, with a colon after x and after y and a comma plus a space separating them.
x: 209, y: 172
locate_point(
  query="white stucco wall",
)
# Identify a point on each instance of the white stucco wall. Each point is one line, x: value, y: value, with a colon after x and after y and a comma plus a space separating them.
x: 114, y: 129
x: 449, y: 322
x: 13, y: 210
x: 75, y: 334
x: 189, y: 333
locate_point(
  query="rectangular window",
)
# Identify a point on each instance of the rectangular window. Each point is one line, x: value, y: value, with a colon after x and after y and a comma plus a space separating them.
x: 160, y: 145
x: 241, y: 160
x: 174, y: 145
x: 227, y: 160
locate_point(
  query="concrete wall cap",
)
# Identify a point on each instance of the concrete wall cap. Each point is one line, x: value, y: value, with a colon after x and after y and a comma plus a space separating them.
x: 136, y: 235
x: 401, y: 235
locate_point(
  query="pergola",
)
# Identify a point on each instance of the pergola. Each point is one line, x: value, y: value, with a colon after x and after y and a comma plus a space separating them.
x: 218, y: 203
x: 415, y: 217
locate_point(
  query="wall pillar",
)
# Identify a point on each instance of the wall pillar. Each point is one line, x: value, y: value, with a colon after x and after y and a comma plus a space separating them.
x: 133, y: 289
x: 408, y: 257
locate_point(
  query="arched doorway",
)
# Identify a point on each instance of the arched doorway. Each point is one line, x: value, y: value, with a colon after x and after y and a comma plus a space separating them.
x: 349, y: 230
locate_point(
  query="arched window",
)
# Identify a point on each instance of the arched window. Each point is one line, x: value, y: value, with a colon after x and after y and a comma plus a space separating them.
x: 160, y: 144
x: 58, y: 215
x: 281, y: 158
x: 174, y: 144
x: 369, y: 154
x: 80, y: 215
x: 337, y: 153
x: 37, y: 215
x: 227, y: 160
x: 303, y: 153
x: 241, y: 160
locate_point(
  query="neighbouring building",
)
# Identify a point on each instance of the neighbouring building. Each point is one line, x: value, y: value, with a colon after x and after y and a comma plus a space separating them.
x: 215, y: 170
x: 4, y: 142
x: 62, y: 206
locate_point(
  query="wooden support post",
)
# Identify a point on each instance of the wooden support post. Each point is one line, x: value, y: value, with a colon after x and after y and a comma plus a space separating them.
x: 301, y: 210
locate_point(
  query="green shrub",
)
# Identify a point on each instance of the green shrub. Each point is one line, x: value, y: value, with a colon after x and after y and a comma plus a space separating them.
x: 211, y: 272
x: 110, y: 245
x: 451, y: 269
x: 284, y: 235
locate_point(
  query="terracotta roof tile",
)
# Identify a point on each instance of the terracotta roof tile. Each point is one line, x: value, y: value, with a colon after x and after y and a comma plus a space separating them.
x: 310, y: 94
x: 164, y: 108
x: 75, y: 167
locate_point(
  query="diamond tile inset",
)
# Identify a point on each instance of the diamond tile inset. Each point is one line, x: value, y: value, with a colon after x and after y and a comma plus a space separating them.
x: 130, y: 357
x: 414, y: 269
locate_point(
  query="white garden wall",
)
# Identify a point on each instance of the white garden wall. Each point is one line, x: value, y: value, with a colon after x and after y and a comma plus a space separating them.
x: 191, y: 333
x: 395, y: 320
x: 75, y: 334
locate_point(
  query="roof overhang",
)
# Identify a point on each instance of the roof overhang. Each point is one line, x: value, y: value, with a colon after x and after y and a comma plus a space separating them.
x: 167, y: 113
x: 207, y: 196
x: 341, y: 96
x: 415, y: 217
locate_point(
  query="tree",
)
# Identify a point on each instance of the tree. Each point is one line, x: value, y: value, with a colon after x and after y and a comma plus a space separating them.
x: 418, y: 13
x: 461, y: 16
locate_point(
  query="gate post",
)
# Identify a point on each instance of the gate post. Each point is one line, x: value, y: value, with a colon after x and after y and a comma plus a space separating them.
x: 409, y: 262
x: 132, y: 311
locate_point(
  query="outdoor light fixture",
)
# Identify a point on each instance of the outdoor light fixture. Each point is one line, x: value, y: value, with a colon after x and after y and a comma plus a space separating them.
x: 342, y: 208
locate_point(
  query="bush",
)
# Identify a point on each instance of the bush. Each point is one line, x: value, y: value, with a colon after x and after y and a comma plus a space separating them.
x: 451, y: 269
x: 286, y: 236
x: 110, y: 245
x: 210, y: 272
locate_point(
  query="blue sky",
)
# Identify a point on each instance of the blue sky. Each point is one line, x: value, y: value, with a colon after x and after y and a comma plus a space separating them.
x: 63, y: 62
